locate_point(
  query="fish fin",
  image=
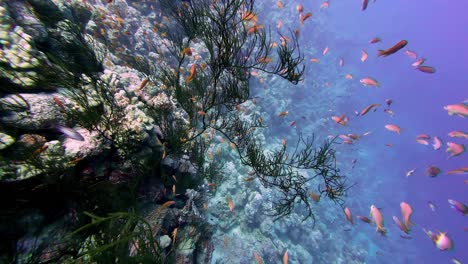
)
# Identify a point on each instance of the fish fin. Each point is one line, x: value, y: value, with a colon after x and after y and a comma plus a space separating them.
x: 381, y: 53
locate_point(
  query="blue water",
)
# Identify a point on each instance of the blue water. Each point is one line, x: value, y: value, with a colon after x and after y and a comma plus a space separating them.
x: 435, y: 30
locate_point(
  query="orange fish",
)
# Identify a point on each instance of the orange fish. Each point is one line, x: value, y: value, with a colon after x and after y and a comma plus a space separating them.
x: 375, y: 40
x: 342, y: 120
x: 393, y: 128
x: 348, y: 214
x: 187, y: 52
x: 174, y: 235
x: 40, y: 150
x: 167, y: 204
x: 279, y: 4
x: 368, y: 81
x: 230, y: 204
x: 315, y: 197
x: 285, y: 257
x: 143, y: 83
x: 349, y: 76
x: 254, y: 29
x: 283, y: 113
x: 458, y: 171
x: 280, y: 24
x: 368, y: 108
x: 249, y: 16
x: 314, y: 60
x: 458, y: 134
x: 457, y: 109
x: 264, y: 60
x: 422, y: 141
x: 192, y: 73
x: 300, y: 8
x: 258, y: 258
x: 303, y: 18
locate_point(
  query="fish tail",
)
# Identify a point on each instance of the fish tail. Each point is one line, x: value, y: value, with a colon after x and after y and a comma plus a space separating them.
x: 381, y: 53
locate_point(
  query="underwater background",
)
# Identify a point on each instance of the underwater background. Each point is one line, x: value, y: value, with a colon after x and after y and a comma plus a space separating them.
x: 383, y: 165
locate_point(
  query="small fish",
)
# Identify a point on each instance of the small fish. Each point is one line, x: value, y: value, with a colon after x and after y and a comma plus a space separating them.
x: 431, y: 205
x: 342, y: 120
x: 173, y: 189
x: 280, y: 24
x: 456, y: 261
x: 280, y: 4
x: 378, y: 220
x: 455, y: 149
x: 406, y: 212
x: 388, y: 101
x: 315, y: 197
x: 349, y: 76
x: 283, y: 142
x: 264, y: 60
x: 293, y: 123
x: 166, y: 204
x: 341, y: 62
x: 458, y: 206
x: 40, y: 150
x: 457, y: 109
x: 422, y: 141
x: 303, y: 18
x: 325, y: 51
x: 400, y: 225
x: 143, y: 84
x: 230, y: 204
x: 192, y: 73
x: 285, y: 257
x: 364, y: 219
x: 254, y: 29
x: 258, y: 258
x: 59, y: 103
x: 401, y: 44
x: 70, y: 133
x: 314, y: 60
x: 393, y: 128
x: 187, y: 52
x: 437, y: 143
x: 458, y: 171
x: 348, y: 215
x: 458, y: 134
x: 418, y: 62
x: 300, y: 8
x: 375, y: 40
x: 390, y: 112
x: 325, y: 4
x: 432, y: 171
x: 423, y: 136
x: 283, y: 113
x: 410, y: 172
x: 364, y: 55
x: 364, y: 4
x: 174, y: 236
x: 443, y: 242
x: 249, y: 179
x: 368, y: 108
x: 368, y: 81
x: 426, y: 69
x: 411, y: 54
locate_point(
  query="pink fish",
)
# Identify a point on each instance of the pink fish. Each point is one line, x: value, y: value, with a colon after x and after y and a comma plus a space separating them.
x: 418, y: 62
x: 460, y: 207
x: 364, y: 56
x: 423, y: 136
x: 393, y: 128
x: 458, y: 134
x: 325, y: 51
x: 363, y: 218
x: 443, y: 242
x: 437, y: 143
x: 70, y: 133
x: 349, y: 216
x: 422, y: 141
x: 368, y: 81
x: 457, y: 109
x: 411, y: 54
x: 400, y: 225
x: 406, y: 212
x: 378, y: 219
x: 455, y: 149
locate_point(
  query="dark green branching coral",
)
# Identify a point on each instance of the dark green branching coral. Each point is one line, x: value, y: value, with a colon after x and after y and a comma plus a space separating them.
x: 233, y: 47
